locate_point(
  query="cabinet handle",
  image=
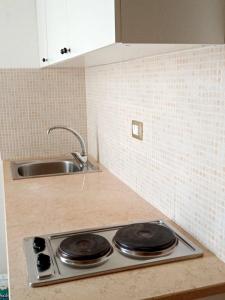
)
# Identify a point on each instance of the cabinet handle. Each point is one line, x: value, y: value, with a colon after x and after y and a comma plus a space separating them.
x: 65, y: 50
x: 44, y: 59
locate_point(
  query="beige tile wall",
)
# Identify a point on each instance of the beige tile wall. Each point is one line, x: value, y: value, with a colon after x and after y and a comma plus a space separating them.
x: 180, y: 165
x: 33, y: 100
x: 3, y: 264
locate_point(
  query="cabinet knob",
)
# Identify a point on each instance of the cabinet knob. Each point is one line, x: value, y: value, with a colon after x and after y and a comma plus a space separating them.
x: 44, y: 59
x: 65, y: 50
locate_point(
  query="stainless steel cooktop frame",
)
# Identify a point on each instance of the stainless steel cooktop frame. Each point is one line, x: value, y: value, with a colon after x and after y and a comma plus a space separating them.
x: 60, y: 272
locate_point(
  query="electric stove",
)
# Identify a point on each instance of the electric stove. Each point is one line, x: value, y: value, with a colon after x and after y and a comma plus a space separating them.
x: 61, y: 257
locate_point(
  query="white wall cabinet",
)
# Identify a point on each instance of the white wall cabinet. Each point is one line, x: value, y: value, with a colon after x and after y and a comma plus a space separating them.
x: 98, y: 31
x: 68, y: 28
x: 71, y: 28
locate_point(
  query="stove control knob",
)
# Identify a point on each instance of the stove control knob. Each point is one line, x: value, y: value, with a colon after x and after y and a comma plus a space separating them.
x: 38, y: 244
x: 43, y: 262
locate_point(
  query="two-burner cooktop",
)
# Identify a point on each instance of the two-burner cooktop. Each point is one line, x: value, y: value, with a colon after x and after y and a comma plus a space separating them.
x: 81, y: 254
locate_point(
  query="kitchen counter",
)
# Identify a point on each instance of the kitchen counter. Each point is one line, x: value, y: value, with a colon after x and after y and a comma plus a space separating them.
x: 65, y: 203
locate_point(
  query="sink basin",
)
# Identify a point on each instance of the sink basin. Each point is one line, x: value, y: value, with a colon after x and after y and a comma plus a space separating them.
x: 49, y: 168
x: 46, y: 168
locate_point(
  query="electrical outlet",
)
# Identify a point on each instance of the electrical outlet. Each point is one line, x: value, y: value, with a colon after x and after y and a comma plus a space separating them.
x: 137, y: 130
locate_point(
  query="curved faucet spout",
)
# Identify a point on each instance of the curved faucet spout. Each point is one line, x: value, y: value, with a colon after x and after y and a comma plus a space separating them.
x: 83, y: 153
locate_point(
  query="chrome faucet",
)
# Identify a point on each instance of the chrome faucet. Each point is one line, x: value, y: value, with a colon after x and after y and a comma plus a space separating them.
x: 82, y: 157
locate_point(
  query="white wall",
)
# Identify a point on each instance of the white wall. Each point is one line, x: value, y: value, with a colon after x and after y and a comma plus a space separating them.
x: 179, y: 167
x: 18, y: 34
x: 3, y: 263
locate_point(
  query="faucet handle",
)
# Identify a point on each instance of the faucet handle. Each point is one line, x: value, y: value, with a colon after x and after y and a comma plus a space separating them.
x: 82, y: 158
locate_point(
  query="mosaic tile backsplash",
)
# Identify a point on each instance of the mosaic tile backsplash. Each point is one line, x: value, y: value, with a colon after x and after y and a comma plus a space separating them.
x: 179, y: 167
x: 31, y: 101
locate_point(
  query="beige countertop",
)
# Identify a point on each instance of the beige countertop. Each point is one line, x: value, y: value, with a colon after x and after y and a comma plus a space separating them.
x: 65, y: 203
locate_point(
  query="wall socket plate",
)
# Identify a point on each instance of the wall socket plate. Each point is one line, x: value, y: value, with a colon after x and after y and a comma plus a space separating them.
x: 137, y: 130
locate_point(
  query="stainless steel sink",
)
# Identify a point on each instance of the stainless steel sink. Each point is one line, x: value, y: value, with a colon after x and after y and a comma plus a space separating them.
x: 33, y: 169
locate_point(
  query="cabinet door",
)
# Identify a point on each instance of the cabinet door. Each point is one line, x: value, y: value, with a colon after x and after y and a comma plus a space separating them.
x: 57, y: 29
x: 91, y: 24
x: 42, y: 32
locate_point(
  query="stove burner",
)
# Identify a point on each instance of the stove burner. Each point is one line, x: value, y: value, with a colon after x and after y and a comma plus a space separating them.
x: 145, y: 240
x: 84, y: 250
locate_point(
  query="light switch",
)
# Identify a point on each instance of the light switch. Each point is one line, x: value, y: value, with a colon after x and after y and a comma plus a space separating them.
x: 137, y: 130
